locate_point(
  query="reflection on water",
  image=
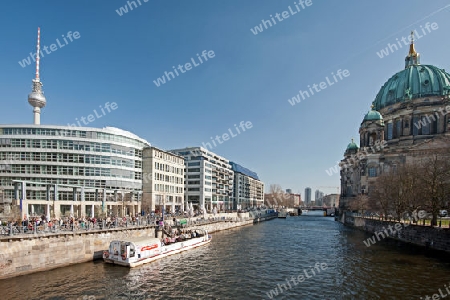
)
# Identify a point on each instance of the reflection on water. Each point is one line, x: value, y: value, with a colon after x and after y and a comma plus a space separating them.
x: 248, y: 263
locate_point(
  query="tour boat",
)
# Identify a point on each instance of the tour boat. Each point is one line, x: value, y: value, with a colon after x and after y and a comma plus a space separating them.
x: 283, y: 214
x: 134, y: 252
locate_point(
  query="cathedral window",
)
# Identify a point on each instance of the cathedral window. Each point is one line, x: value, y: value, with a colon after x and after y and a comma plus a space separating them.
x: 417, y: 123
x: 398, y: 131
x: 389, y: 131
x: 425, y: 125
x: 372, y: 172
x: 446, y: 121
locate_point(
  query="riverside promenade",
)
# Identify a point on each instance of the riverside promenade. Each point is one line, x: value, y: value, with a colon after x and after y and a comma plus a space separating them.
x: 436, y: 238
x: 44, y: 248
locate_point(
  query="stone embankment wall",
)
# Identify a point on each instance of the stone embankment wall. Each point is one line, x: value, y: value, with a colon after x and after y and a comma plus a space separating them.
x: 24, y: 254
x: 427, y: 236
x: 214, y: 227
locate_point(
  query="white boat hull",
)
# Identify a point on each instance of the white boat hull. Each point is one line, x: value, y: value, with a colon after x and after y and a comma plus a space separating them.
x: 163, y: 252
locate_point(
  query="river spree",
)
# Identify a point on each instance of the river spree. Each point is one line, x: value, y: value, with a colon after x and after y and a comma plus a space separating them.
x: 256, y: 262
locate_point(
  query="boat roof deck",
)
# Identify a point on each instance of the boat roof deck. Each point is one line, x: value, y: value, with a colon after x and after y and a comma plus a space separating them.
x: 141, y: 239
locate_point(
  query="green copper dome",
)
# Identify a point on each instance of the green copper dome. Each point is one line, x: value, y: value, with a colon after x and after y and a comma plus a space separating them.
x: 352, y: 146
x: 415, y: 81
x: 373, y: 115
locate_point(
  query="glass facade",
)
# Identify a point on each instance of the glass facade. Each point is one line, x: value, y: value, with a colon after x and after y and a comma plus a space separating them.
x: 107, y: 158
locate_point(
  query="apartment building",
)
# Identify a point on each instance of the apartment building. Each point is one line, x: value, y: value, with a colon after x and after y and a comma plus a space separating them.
x: 248, y: 189
x: 208, y: 179
x: 162, y: 181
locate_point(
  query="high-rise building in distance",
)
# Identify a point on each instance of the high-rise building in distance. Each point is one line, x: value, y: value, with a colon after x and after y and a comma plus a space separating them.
x: 308, y: 196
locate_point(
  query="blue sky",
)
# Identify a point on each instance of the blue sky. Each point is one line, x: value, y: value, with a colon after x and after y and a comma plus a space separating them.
x: 250, y: 78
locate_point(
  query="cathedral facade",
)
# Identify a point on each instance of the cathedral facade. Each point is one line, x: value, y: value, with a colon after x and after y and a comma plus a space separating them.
x: 408, y: 118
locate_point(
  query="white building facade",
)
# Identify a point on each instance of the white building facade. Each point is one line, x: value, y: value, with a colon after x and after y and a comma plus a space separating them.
x: 61, y: 170
x: 208, y: 179
x: 163, y: 181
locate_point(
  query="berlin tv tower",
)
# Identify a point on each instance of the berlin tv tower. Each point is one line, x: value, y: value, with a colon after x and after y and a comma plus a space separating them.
x: 36, y: 98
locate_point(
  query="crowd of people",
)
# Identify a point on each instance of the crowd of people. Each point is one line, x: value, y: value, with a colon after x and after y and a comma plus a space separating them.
x: 41, y: 223
x: 179, y: 235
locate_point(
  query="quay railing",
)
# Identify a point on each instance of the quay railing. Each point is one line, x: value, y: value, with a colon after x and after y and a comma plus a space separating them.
x: 442, y: 222
x: 56, y: 227
x: 45, y: 228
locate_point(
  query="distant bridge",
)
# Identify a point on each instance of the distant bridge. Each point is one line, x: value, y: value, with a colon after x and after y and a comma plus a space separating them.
x: 328, y: 210
x: 317, y: 207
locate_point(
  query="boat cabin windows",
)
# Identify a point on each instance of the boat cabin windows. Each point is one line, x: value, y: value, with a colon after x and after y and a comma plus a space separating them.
x: 123, y: 249
x: 132, y: 250
x: 114, y: 248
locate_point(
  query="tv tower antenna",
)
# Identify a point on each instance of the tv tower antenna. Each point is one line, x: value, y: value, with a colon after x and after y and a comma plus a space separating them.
x: 36, y: 98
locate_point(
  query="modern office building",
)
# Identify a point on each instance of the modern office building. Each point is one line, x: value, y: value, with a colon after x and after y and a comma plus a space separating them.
x: 61, y: 170
x: 308, y: 196
x: 248, y: 190
x: 318, y: 197
x: 162, y: 181
x: 208, y: 179
x: 71, y: 169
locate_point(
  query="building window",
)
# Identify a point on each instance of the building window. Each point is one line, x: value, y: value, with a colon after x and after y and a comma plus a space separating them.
x: 372, y: 172
x: 417, y: 124
x: 192, y: 164
x: 434, y: 127
x: 425, y: 125
x: 398, y: 125
x: 389, y: 131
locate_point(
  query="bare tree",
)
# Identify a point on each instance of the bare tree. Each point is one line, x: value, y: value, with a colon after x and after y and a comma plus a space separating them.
x: 384, y: 192
x: 423, y: 184
x: 410, y: 192
x: 360, y: 203
x: 277, y: 197
x: 435, y: 182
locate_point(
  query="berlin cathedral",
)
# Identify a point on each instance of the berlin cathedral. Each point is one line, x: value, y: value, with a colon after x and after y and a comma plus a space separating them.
x: 408, y: 118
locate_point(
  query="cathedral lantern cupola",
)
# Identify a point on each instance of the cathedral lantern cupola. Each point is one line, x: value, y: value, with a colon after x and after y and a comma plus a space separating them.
x: 372, y: 128
x: 413, y: 58
x: 352, y: 148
